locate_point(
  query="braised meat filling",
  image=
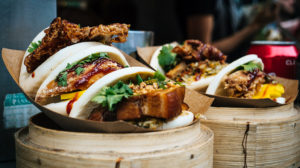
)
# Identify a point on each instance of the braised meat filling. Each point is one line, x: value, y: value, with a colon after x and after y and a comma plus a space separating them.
x: 194, y: 71
x: 245, y: 84
x: 194, y: 61
x: 80, y: 76
x: 147, y: 100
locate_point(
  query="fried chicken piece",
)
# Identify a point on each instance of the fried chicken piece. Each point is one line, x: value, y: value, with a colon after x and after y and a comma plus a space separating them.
x: 91, y: 73
x: 195, y: 50
x: 62, y: 33
x: 242, y: 84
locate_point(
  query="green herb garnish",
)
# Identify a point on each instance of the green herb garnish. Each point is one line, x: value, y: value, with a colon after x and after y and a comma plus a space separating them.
x: 158, y: 78
x: 33, y: 46
x: 158, y: 75
x: 139, y: 79
x: 79, y: 67
x: 62, y: 79
x: 109, y: 97
x: 78, y: 70
x: 250, y: 66
x: 166, y: 58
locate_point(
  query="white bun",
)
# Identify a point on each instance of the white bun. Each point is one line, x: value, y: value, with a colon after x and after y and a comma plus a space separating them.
x: 60, y: 107
x: 197, y: 85
x: 113, y: 53
x: 214, y: 86
x: 184, y: 119
x: 83, y: 106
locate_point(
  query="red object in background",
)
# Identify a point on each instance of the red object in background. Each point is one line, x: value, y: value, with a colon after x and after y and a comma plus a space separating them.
x: 279, y: 58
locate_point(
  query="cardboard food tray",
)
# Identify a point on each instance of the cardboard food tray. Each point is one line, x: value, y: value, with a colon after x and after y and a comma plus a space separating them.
x: 291, y: 89
x: 198, y: 103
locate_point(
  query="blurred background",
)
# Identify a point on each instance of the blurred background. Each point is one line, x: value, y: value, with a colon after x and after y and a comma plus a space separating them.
x: 230, y: 25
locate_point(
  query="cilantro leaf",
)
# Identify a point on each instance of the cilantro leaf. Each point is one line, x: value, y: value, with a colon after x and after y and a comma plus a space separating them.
x: 110, y: 96
x: 162, y: 84
x: 69, y: 66
x: 159, y: 76
x: 139, y: 79
x: 250, y: 66
x: 100, y: 100
x: 104, y: 55
x: 33, y: 46
x: 62, y: 79
x: 166, y: 58
x: 79, y: 70
x: 113, y: 100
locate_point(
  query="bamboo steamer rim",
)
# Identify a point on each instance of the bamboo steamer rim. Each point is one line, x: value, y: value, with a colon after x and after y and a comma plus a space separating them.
x: 255, y: 115
x: 121, y: 142
x: 251, y: 108
x: 29, y: 154
x: 24, y: 142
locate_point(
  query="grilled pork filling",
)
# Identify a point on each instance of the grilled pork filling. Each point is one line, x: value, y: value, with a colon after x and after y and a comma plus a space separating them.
x: 148, y: 100
x: 194, y: 71
x: 79, y: 77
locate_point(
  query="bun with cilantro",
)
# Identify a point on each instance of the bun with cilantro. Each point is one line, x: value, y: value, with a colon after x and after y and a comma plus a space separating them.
x: 194, y: 63
x: 59, y: 41
x: 135, y: 94
x: 77, y: 73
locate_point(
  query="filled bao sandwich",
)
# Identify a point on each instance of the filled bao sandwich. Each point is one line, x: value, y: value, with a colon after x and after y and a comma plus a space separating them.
x: 137, y: 95
x: 60, y: 41
x: 244, y: 78
x: 77, y: 73
x: 194, y: 63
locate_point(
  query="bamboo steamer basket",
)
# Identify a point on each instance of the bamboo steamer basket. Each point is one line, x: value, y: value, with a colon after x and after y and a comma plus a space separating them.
x: 255, y: 137
x: 43, y: 144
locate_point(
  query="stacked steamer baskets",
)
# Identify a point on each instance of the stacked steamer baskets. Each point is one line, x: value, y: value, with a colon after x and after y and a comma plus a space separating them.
x: 67, y: 138
x: 255, y: 137
x: 254, y: 132
x: 44, y: 144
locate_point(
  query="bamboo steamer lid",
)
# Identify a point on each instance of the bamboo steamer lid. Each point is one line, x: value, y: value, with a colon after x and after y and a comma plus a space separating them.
x: 42, y: 144
x: 255, y: 137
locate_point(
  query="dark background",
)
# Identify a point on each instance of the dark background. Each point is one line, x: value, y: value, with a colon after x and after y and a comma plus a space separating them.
x: 23, y: 19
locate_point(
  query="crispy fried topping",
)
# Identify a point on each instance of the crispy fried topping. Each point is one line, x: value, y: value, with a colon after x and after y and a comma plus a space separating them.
x: 62, y: 33
x: 195, y: 50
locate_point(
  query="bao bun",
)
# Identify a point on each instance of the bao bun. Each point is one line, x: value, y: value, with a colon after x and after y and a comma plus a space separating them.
x: 216, y: 86
x: 30, y: 82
